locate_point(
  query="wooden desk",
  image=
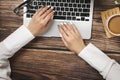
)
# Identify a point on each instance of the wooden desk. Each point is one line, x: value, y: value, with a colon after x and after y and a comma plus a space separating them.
x: 48, y: 58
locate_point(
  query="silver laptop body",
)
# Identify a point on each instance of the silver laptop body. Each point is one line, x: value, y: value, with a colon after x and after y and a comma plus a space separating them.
x: 84, y: 24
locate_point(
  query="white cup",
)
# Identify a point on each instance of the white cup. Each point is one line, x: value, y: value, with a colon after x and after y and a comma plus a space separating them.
x: 107, y: 24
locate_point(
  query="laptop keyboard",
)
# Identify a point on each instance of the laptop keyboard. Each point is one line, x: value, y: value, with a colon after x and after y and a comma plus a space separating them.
x: 77, y: 10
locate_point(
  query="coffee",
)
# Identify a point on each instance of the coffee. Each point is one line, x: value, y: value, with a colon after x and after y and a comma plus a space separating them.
x: 114, y: 24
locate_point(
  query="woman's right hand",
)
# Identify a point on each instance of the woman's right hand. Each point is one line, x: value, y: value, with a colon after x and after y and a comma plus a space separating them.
x: 41, y: 20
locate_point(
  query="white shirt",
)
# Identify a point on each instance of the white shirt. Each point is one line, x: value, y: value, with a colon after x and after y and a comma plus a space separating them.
x: 108, y: 68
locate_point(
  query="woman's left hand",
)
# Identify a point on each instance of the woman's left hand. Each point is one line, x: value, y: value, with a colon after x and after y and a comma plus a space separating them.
x: 71, y: 37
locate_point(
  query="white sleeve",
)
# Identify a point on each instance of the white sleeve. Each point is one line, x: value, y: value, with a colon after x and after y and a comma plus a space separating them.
x: 9, y: 46
x: 108, y: 68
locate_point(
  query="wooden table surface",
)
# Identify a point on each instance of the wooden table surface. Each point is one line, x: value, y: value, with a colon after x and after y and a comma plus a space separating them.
x: 48, y: 58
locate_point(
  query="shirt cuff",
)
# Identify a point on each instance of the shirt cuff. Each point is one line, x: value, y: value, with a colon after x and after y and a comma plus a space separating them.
x: 96, y: 58
x: 18, y: 39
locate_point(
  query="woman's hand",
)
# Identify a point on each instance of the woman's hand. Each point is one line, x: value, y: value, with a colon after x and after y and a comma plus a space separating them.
x: 41, y: 20
x: 71, y: 37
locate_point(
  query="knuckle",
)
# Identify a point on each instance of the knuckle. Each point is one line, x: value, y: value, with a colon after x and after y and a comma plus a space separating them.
x: 42, y: 22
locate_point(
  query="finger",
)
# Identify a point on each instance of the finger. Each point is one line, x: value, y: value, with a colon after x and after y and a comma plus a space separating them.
x: 74, y: 28
x: 62, y: 32
x: 42, y: 11
x: 49, y: 17
x: 49, y: 23
x: 66, y: 29
x: 47, y: 12
x: 64, y: 41
x: 69, y: 27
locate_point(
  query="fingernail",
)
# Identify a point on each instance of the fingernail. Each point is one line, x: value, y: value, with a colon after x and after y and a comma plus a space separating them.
x: 48, y: 6
x: 71, y: 23
x: 53, y: 11
x: 65, y: 23
x: 52, y: 7
x: 61, y: 23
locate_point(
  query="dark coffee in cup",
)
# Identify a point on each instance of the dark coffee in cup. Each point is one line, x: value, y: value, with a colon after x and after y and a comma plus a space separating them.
x: 113, y: 25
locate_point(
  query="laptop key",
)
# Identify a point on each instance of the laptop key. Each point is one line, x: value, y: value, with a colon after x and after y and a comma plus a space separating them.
x: 72, y: 1
x: 68, y: 18
x: 62, y: 9
x: 64, y: 13
x: 77, y: 1
x: 85, y: 14
x: 55, y: 13
x: 82, y: 18
x: 64, y: 1
x: 71, y: 9
x: 80, y: 10
x: 78, y: 19
x: 73, y: 18
x: 66, y: 9
x: 86, y: 10
x: 35, y: 3
x: 66, y: 5
x: 68, y: 0
x: 68, y: 13
x: 43, y: 3
x: 81, y: 1
x: 73, y: 14
x: 48, y: 3
x: 77, y: 14
x: 36, y: 7
x: 59, y: 17
x: 57, y: 4
x: 28, y: 15
x: 86, y: 19
x: 60, y: 13
x: 70, y: 5
x: 74, y: 5
x: 79, y: 5
x: 52, y: 4
x: 88, y: 6
x: 39, y: 3
x: 59, y: 0
x: 75, y: 9
x: 87, y: 1
x: 83, y: 6
x: 60, y: 6
x: 31, y: 11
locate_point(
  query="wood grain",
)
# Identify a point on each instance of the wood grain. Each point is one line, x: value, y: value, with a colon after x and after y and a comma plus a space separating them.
x: 53, y: 65
x: 48, y: 58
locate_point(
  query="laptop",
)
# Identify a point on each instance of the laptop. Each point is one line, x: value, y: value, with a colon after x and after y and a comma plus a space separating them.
x: 79, y: 12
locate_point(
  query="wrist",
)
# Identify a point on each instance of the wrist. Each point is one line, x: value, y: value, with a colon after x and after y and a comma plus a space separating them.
x: 81, y: 48
x: 31, y: 30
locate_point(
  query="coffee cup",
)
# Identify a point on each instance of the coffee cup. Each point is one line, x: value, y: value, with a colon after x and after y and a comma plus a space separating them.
x: 113, y: 25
